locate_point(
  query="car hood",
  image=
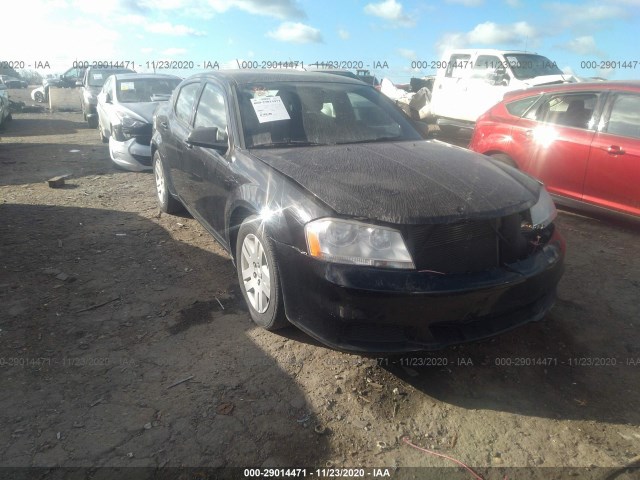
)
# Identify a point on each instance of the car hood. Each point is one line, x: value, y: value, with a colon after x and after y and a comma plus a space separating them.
x: 549, y: 80
x: 405, y: 182
x: 142, y: 110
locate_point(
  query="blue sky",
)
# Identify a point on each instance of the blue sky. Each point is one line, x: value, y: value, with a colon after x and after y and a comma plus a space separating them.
x: 393, y: 31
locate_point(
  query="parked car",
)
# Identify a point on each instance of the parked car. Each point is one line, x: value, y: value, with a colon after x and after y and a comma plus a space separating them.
x: 125, y: 111
x: 582, y: 140
x: 5, y: 111
x: 470, y: 81
x: 92, y: 82
x: 348, y: 224
x: 13, y: 82
x: 66, y: 80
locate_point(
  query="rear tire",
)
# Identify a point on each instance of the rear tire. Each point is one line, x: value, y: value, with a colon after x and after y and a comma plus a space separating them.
x: 258, y: 275
x: 504, y: 158
x: 166, y: 201
x: 92, y: 122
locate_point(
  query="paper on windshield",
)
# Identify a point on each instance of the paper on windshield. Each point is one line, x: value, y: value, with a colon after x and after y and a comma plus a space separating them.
x: 269, y: 109
x: 97, y: 76
x: 127, y: 86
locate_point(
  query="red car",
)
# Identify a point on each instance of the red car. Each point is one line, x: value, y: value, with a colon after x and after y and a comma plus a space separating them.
x: 582, y: 140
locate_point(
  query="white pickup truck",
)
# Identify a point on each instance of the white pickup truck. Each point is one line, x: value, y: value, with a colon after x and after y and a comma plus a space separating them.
x: 470, y: 81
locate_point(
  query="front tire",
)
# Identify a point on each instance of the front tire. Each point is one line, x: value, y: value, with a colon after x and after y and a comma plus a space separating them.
x: 166, y: 201
x: 258, y: 275
x: 39, y: 97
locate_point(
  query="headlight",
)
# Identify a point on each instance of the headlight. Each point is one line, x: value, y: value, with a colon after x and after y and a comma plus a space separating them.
x: 544, y: 212
x: 342, y: 241
x: 128, y: 125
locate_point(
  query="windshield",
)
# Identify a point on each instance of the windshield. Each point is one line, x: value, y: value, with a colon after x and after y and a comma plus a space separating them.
x: 145, y: 89
x: 97, y: 78
x: 318, y: 113
x: 526, y: 66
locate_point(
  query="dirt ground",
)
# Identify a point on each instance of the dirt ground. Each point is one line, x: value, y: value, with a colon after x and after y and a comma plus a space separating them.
x: 124, y: 342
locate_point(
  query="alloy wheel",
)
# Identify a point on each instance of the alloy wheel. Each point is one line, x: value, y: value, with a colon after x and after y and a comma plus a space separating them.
x: 256, y: 275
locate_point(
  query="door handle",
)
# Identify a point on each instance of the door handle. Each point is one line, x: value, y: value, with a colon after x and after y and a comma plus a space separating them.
x: 528, y: 133
x: 615, y: 150
x: 164, y: 125
x: 187, y: 144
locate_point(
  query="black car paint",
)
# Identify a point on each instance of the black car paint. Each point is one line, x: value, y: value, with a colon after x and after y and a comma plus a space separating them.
x: 220, y: 189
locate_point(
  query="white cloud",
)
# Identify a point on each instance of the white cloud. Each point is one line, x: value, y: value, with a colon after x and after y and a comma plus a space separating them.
x: 407, y: 53
x: 343, y: 34
x: 146, y: 50
x: 391, y: 11
x: 489, y: 33
x: 282, y: 9
x: 167, y: 28
x: 172, y: 52
x: 467, y: 3
x: 572, y: 15
x: 295, y: 32
x: 584, y: 45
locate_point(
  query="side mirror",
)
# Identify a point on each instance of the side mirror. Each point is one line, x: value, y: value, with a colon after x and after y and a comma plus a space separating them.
x: 78, y: 83
x: 209, y: 137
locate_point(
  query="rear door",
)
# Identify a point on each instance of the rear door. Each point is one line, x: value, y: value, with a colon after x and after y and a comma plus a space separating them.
x: 557, y: 135
x: 174, y: 135
x: 613, y: 174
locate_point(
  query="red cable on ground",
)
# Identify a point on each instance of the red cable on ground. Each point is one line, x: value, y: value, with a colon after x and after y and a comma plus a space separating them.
x: 408, y: 442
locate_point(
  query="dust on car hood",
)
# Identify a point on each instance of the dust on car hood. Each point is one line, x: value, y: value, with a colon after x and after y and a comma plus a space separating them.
x: 405, y: 182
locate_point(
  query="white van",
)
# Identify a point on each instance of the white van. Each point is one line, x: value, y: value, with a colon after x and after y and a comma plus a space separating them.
x: 470, y: 81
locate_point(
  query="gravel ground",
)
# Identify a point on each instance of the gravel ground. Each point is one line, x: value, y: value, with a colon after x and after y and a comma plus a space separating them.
x: 124, y: 342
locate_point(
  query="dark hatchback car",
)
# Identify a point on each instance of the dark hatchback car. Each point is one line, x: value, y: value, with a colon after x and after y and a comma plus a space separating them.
x: 344, y: 221
x: 582, y: 140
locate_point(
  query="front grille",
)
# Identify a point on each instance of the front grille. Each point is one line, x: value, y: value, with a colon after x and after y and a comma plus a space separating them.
x: 467, y: 246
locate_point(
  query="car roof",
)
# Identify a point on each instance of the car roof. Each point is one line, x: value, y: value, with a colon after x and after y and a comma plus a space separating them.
x: 577, y: 87
x: 257, y: 76
x: 141, y: 76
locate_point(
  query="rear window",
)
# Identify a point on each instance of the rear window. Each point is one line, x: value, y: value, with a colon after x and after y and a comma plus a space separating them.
x: 520, y: 107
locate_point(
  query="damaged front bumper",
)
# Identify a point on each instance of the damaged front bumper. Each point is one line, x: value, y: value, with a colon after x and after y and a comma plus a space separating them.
x: 132, y: 154
x: 365, y: 309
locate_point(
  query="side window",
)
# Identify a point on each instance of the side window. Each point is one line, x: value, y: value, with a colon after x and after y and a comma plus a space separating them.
x: 211, y: 110
x: 571, y: 110
x: 519, y: 107
x: 624, y: 119
x: 185, y: 100
x: 486, y: 67
x: 457, y: 64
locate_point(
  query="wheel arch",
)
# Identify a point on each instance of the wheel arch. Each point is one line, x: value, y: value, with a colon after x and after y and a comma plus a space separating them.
x: 238, y: 215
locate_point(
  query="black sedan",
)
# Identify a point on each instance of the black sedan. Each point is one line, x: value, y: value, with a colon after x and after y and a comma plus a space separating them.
x: 344, y: 221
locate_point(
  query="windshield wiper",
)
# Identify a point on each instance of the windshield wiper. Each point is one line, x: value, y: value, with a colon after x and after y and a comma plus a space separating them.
x: 289, y: 143
x: 372, y: 140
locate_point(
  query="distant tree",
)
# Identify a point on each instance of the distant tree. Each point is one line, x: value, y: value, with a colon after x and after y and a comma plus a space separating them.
x: 31, y: 76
